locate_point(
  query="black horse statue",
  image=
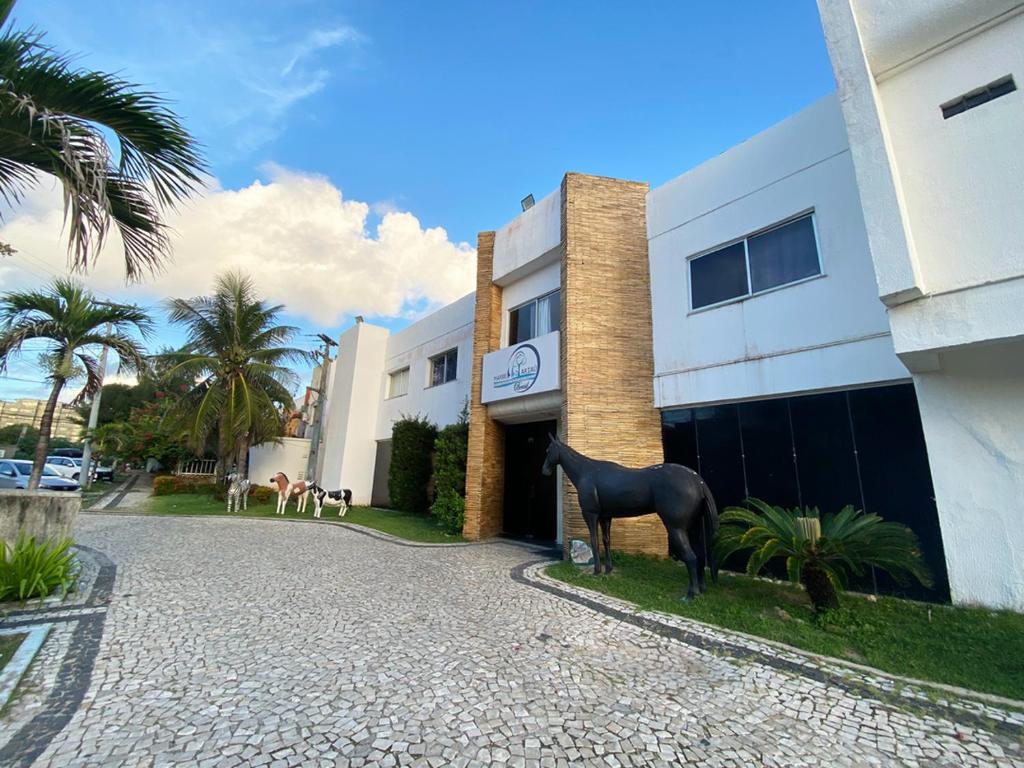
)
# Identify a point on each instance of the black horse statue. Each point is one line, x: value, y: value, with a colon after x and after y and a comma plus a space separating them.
x: 676, y: 493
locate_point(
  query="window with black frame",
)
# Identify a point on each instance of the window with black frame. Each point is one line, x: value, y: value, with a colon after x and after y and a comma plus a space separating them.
x: 786, y: 253
x: 443, y: 367
x: 535, y: 318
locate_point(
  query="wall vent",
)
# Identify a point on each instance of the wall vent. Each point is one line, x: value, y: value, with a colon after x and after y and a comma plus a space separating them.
x: 979, y: 96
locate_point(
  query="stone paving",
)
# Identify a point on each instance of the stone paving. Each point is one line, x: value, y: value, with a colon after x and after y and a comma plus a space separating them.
x: 266, y: 643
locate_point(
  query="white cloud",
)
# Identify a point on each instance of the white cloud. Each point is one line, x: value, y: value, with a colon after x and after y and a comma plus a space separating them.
x: 304, y: 245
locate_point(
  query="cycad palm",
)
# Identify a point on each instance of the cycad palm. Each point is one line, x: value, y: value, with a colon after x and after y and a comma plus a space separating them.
x: 235, y: 352
x: 849, y: 542
x: 75, y: 325
x: 54, y: 120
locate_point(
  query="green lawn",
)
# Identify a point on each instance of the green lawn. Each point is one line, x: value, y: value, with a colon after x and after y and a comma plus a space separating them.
x: 94, y: 492
x: 402, y: 524
x: 970, y: 647
x: 8, y: 646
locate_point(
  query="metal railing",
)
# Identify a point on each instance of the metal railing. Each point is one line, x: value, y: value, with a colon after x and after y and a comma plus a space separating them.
x: 197, y: 467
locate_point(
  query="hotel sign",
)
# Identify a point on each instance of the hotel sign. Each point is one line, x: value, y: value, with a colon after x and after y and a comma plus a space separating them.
x: 522, y: 369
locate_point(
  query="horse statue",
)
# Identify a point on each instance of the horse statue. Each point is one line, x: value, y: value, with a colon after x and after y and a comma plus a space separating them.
x: 238, y: 492
x: 323, y: 498
x: 286, y: 489
x: 678, y: 495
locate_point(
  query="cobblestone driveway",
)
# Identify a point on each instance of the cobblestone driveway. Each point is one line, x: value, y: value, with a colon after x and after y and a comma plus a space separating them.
x: 267, y: 643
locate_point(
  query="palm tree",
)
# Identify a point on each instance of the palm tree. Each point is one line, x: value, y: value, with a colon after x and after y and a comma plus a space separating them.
x: 75, y: 324
x: 235, y: 353
x: 55, y: 119
x: 821, y: 553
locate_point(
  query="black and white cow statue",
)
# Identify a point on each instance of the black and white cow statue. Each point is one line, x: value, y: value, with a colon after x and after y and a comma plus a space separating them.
x: 324, y: 498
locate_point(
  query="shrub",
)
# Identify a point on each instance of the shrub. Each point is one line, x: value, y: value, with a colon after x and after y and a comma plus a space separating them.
x: 450, y: 476
x: 30, y: 570
x: 820, y: 553
x: 412, y: 446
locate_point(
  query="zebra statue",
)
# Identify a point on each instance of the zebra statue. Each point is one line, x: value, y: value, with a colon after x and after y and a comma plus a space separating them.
x: 238, y: 492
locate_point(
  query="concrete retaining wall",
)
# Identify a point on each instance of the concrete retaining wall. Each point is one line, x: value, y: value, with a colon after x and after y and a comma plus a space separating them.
x: 42, y: 514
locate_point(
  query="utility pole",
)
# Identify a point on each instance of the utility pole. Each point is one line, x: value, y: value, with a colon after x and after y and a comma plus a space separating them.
x: 321, y: 399
x: 85, y: 476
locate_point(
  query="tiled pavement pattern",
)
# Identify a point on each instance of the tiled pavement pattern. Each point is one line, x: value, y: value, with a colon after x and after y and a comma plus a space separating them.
x: 278, y: 644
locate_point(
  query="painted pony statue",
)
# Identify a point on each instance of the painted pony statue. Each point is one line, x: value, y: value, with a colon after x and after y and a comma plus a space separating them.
x: 238, y: 492
x: 342, y: 499
x: 678, y: 495
x: 286, y: 489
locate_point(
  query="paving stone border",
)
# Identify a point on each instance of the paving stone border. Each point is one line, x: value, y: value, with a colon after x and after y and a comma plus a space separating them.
x: 22, y: 658
x: 957, y: 705
x: 75, y: 673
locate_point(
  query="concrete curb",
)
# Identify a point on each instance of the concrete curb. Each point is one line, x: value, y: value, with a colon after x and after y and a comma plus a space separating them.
x: 13, y: 671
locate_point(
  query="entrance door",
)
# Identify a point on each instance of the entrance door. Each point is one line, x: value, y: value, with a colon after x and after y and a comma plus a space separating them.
x: 530, y: 500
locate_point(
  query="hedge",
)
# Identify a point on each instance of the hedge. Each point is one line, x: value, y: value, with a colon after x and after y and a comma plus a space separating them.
x: 166, y: 485
x: 450, y: 449
x: 412, y: 446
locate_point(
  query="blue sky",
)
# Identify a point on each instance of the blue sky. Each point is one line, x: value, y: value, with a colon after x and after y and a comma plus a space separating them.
x: 450, y: 112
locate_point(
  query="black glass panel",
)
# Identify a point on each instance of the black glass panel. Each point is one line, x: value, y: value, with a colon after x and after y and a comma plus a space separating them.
x: 530, y: 508
x: 826, y: 465
x: 522, y: 323
x: 679, y: 438
x: 768, y: 449
x: 783, y: 255
x: 896, y: 476
x: 718, y: 276
x: 721, y: 463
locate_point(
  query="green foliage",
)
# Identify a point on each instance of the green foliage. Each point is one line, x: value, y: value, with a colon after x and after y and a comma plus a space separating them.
x: 850, y: 541
x: 74, y: 326
x: 29, y: 570
x: 235, y: 361
x: 450, y: 476
x: 120, y: 154
x: 412, y: 446
x: 975, y: 648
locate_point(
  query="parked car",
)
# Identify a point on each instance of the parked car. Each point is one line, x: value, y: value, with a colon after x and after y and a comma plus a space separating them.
x: 65, y: 466
x: 100, y: 472
x: 14, y: 474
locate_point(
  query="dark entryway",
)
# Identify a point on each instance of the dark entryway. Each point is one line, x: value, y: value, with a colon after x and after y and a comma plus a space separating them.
x: 530, y: 501
x: 863, y: 447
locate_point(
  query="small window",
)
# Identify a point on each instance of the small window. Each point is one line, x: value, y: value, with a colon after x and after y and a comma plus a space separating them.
x: 398, y: 383
x: 535, y: 318
x: 786, y: 253
x: 443, y: 367
x: 979, y: 96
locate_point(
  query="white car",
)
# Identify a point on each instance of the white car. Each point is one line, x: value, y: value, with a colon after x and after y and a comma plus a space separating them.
x: 65, y: 466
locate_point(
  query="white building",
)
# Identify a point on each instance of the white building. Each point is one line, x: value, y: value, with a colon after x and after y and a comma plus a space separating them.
x: 835, y: 316
x: 928, y: 91
x: 378, y: 378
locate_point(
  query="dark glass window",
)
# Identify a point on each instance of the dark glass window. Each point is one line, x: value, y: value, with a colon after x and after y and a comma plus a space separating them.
x: 718, y: 276
x: 768, y: 452
x: 535, y: 318
x: 843, y: 442
x: 783, y: 255
x: 443, y: 367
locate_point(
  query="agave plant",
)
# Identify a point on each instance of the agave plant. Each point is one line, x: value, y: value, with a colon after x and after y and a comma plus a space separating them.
x: 821, y: 552
x: 30, y: 569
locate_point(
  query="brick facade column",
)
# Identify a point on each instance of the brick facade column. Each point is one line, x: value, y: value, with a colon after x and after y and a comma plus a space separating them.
x: 485, y: 460
x: 607, y: 354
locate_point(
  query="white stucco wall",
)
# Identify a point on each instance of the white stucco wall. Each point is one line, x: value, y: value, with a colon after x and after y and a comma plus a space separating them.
x: 530, y: 285
x: 449, y: 327
x: 950, y: 189
x: 289, y: 456
x: 973, y: 416
x: 962, y: 177
x: 529, y: 236
x: 349, y: 449
x: 825, y: 333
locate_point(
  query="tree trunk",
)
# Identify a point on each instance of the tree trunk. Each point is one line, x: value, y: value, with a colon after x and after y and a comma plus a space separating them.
x: 45, y: 425
x: 819, y: 589
x: 243, y: 458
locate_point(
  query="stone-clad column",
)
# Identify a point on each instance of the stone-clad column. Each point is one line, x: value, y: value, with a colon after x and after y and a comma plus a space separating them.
x: 485, y: 461
x: 607, y: 356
